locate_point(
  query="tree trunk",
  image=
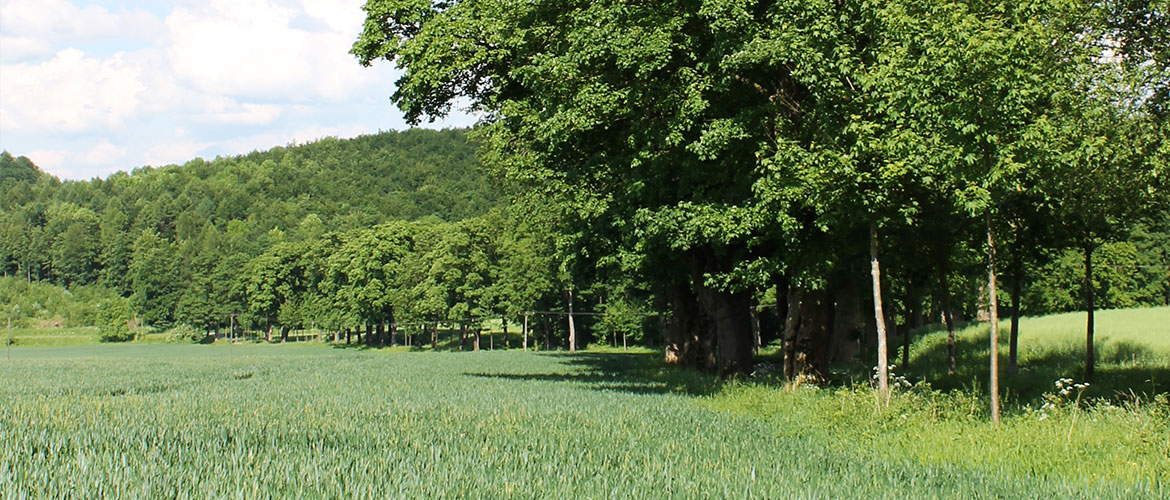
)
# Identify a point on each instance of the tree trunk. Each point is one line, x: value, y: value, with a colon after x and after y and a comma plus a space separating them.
x: 1090, y: 357
x: 525, y: 342
x: 791, y: 323
x: 732, y: 325
x: 284, y: 333
x: 393, y: 330
x: 879, y: 317
x: 435, y: 337
x: 949, y: 319
x: 572, y: 326
x: 504, y: 322
x: 380, y: 333
x: 475, y: 346
x: 755, y: 317
x: 462, y: 336
x: 909, y: 300
x: 993, y: 313
x: 1014, y: 337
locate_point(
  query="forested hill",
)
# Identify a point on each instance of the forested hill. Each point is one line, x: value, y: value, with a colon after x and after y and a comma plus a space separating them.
x: 74, y: 231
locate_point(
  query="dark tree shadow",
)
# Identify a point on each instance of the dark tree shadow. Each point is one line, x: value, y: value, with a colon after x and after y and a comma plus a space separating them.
x: 637, y: 373
x: 1125, y: 371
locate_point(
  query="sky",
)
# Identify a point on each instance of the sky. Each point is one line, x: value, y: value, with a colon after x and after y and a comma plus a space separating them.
x: 88, y: 88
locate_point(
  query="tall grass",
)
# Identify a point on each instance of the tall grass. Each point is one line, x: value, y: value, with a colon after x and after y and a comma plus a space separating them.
x: 256, y: 420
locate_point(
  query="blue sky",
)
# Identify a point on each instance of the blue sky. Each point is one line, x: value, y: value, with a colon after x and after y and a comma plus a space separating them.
x: 91, y: 87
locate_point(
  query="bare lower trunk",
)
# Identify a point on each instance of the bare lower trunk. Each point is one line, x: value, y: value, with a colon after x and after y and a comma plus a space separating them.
x: 791, y: 323
x: 879, y: 317
x: 572, y: 325
x: 1014, y: 337
x: 755, y: 316
x: 525, y: 342
x: 949, y: 319
x: 993, y: 313
x: 1090, y: 357
x: 732, y: 324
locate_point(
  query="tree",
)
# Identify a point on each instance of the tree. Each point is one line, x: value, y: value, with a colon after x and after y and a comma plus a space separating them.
x: 155, y: 279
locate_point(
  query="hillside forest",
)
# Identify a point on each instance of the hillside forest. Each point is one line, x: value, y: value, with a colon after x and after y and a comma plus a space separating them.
x: 911, y: 163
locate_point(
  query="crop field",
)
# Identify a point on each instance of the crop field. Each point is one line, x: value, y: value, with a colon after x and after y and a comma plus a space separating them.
x: 134, y: 421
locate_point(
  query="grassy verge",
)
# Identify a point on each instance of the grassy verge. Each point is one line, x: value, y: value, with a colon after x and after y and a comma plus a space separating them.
x: 1118, y: 428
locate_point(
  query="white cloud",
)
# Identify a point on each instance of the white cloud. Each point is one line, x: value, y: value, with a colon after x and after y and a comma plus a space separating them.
x: 174, y: 151
x: 84, y: 164
x: 35, y: 28
x: 89, y: 89
x: 69, y: 93
x: 249, y: 48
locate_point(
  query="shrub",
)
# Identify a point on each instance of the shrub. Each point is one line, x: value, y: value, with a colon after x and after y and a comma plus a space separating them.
x: 185, y: 333
x: 113, y: 320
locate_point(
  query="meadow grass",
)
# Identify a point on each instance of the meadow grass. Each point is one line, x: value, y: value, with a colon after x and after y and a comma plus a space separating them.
x: 1118, y: 428
x: 301, y: 420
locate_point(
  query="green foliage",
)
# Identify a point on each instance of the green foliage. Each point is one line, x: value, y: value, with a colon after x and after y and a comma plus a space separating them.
x: 164, y: 236
x: 185, y: 333
x: 113, y: 321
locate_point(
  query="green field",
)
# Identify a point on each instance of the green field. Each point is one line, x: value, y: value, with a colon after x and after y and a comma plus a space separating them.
x: 307, y: 420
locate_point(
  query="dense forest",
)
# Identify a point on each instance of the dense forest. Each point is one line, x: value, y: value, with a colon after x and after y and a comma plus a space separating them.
x: 871, y: 164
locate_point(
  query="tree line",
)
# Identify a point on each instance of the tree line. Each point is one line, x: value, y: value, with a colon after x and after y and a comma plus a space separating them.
x: 354, y: 237
x: 867, y: 161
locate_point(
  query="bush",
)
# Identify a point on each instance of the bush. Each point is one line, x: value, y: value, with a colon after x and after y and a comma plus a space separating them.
x: 113, y: 320
x: 185, y: 333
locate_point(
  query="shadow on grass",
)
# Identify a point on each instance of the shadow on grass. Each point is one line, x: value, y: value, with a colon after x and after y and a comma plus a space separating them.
x: 636, y: 373
x: 1125, y: 371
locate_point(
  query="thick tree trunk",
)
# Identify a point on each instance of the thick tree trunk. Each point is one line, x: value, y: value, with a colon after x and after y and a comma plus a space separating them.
x: 732, y: 325
x: 283, y: 334
x: 1090, y: 356
x: 879, y: 317
x: 813, y: 337
x: 848, y: 323
x: 475, y: 346
x: 685, y: 331
x: 1014, y: 337
x: 572, y: 325
x: 380, y: 333
x: 993, y: 313
x: 791, y: 323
